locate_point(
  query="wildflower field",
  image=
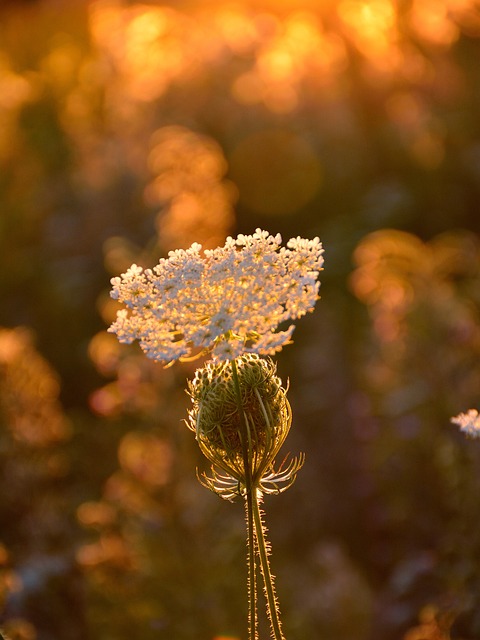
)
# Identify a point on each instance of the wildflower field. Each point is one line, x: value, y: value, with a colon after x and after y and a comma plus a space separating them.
x: 223, y: 223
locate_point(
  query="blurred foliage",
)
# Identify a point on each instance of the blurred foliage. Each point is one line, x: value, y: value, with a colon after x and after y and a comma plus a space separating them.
x: 128, y: 129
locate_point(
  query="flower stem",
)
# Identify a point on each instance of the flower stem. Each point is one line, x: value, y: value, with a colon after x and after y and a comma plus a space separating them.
x: 252, y: 575
x: 268, y: 579
x: 251, y: 559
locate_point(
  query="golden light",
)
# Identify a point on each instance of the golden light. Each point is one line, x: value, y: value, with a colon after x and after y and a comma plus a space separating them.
x: 280, y: 97
x: 302, y: 33
x: 413, y: 65
x: 385, y: 262
x: 431, y: 19
x: 96, y: 514
x: 152, y: 48
x: 237, y: 28
x: 397, y: 274
x: 147, y: 457
x: 14, y: 88
x: 407, y: 111
x: 15, y: 91
x: 371, y: 25
x: 107, y: 401
x: 248, y: 88
x: 106, y: 24
x: 104, y: 352
x: 144, y: 42
x: 189, y: 186
x: 295, y: 52
x: 29, y: 391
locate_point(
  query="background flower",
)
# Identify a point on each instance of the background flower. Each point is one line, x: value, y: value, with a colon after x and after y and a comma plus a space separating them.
x: 469, y: 423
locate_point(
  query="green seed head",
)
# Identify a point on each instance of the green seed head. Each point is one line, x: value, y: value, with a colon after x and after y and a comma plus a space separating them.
x: 216, y: 414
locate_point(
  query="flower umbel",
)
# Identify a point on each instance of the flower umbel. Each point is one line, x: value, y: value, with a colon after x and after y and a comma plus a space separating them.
x: 230, y: 300
x: 469, y: 423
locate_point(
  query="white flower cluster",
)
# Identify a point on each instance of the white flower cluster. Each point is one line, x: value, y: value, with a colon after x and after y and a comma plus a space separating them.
x: 469, y: 423
x: 230, y: 299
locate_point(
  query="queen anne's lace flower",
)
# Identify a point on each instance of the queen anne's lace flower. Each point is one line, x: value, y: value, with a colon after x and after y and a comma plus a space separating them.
x: 469, y: 423
x: 230, y: 299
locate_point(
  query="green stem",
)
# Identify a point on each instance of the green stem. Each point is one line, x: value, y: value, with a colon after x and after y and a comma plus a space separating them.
x: 252, y: 576
x: 262, y: 549
x: 251, y: 560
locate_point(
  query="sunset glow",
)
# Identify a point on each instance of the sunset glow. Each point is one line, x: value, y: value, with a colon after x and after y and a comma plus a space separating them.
x: 130, y: 131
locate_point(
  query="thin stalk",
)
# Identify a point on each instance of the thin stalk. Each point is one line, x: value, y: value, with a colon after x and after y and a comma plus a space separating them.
x: 252, y: 577
x: 262, y: 549
x: 251, y: 559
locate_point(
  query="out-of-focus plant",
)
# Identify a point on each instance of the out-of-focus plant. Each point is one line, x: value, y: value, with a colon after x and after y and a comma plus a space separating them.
x: 423, y: 301
x: 433, y: 626
x: 37, y: 568
x: 188, y: 184
x: 419, y: 363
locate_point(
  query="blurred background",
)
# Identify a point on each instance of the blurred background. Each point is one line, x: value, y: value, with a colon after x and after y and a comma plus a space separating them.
x: 128, y: 129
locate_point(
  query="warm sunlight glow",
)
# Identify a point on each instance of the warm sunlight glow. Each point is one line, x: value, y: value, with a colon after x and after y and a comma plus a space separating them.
x: 372, y: 25
x: 188, y: 184
x: 15, y: 90
x: 237, y: 27
x: 146, y: 457
x: 29, y: 392
x: 432, y: 20
x: 152, y: 47
x: 145, y: 44
x: 147, y: 144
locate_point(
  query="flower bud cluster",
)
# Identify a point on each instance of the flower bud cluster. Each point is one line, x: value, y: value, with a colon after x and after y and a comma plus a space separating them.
x: 216, y: 420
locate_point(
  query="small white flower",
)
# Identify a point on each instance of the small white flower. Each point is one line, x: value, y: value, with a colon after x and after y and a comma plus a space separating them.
x: 469, y: 423
x: 231, y: 300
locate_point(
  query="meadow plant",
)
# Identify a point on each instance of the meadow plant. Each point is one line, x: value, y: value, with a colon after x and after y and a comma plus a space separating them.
x: 469, y: 423
x: 227, y: 303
